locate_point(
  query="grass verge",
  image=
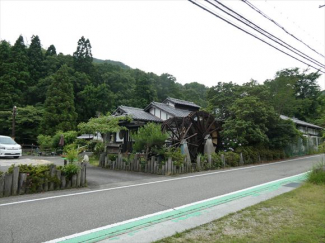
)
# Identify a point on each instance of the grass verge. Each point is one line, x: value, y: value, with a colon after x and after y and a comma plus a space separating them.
x: 296, y: 216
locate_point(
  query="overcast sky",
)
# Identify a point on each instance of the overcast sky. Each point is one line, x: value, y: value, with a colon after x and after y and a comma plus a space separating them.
x: 174, y: 37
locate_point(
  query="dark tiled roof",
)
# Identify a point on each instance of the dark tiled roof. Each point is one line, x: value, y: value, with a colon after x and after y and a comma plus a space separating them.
x: 169, y: 109
x: 136, y: 113
x: 295, y: 120
x: 181, y: 102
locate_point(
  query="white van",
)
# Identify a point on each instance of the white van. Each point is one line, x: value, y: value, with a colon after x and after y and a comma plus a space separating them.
x: 9, y: 148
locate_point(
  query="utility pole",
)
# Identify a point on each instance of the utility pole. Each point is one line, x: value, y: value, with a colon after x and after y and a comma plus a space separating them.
x: 14, y: 112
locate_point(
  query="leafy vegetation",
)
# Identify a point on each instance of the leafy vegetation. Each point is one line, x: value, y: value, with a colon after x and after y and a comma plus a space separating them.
x: 317, y: 174
x: 148, y: 137
x: 70, y: 169
x: 58, y: 94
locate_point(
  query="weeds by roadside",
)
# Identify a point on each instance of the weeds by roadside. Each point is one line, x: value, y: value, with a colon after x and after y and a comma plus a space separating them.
x: 317, y: 174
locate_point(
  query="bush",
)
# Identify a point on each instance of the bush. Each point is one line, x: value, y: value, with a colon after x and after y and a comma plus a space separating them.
x: 176, y: 155
x: 36, y: 175
x: 99, y: 148
x: 317, y: 174
x: 321, y: 148
x: 72, y: 155
x: 216, y: 161
x: 70, y: 169
x: 44, y: 141
x: 69, y: 138
x: 232, y: 159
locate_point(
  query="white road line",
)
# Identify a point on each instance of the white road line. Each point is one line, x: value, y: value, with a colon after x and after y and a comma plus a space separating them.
x: 162, y: 212
x: 153, y: 182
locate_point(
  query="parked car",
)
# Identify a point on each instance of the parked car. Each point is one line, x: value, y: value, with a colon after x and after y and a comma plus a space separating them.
x: 9, y: 148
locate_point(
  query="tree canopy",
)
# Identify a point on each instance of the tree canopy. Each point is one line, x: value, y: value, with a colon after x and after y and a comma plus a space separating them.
x: 54, y: 91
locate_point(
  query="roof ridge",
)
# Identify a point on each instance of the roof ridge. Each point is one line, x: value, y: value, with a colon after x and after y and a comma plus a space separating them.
x: 131, y: 107
x: 180, y: 100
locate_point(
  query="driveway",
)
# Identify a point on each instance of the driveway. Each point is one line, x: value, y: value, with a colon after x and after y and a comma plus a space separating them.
x: 96, y: 177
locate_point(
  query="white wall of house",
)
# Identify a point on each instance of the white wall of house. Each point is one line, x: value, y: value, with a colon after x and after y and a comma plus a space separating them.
x: 152, y: 111
x: 159, y: 113
x: 163, y: 115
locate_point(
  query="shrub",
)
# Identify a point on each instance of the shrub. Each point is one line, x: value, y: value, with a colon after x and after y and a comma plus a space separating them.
x: 70, y: 169
x: 72, y: 155
x: 112, y: 157
x: 44, y: 141
x: 149, y: 136
x: 321, y: 148
x: 232, y: 159
x: 216, y: 161
x: 176, y: 155
x: 99, y: 148
x: 69, y: 138
x: 36, y: 175
x: 317, y: 174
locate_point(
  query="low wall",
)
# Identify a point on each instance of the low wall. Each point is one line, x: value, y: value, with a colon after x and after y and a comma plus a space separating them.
x: 156, y: 166
x: 17, y: 183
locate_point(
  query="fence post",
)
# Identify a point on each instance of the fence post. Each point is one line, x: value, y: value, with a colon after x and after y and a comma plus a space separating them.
x: 2, y: 184
x: 46, y: 182
x: 58, y: 176
x: 78, y: 178
x: 52, y: 174
x: 15, y: 177
x: 22, y: 183
x: 152, y: 166
x: 8, y: 184
x: 223, y: 160
x: 82, y: 175
x: 209, y: 161
x: 74, y: 181
x: 63, y: 182
x: 85, y: 175
x: 169, y: 166
x: 198, y: 163
x: 135, y: 162
x: 241, y: 161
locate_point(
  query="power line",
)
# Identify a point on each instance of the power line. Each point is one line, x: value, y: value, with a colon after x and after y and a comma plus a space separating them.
x: 277, y: 24
x: 268, y: 35
x: 234, y: 25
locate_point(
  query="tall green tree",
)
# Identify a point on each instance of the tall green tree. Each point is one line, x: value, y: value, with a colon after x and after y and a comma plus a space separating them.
x: 95, y: 100
x: 36, y: 59
x: 51, y: 51
x: 14, y: 74
x: 221, y: 97
x: 82, y: 57
x: 196, y: 93
x: 60, y: 111
x: 248, y: 121
x: 144, y: 92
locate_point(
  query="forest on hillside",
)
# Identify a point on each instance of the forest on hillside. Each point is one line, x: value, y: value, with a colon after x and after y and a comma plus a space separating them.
x: 55, y: 92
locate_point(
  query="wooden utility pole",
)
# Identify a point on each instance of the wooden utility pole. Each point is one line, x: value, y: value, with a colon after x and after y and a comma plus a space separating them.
x: 14, y: 112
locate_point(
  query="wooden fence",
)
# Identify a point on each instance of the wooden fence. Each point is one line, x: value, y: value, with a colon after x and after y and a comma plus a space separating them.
x: 15, y: 183
x: 156, y: 166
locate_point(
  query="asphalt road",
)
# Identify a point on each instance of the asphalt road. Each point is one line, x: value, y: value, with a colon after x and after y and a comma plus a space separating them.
x: 37, y: 221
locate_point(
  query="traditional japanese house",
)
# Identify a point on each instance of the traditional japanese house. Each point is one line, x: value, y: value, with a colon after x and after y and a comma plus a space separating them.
x: 311, y: 132
x: 154, y: 112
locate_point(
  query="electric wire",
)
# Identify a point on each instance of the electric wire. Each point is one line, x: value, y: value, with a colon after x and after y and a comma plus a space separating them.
x: 277, y: 24
x: 265, y: 33
x: 234, y: 25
